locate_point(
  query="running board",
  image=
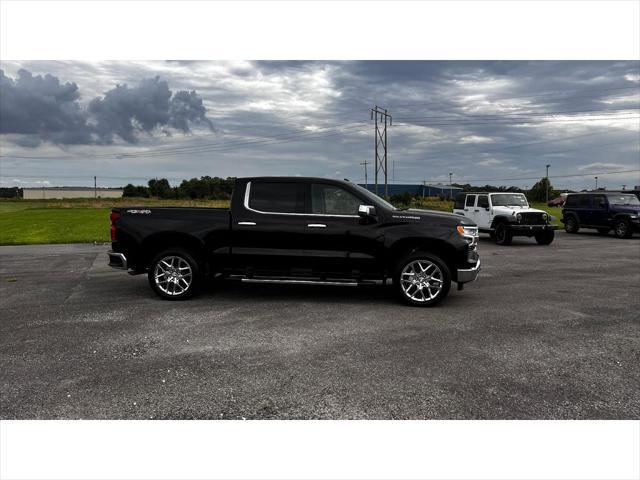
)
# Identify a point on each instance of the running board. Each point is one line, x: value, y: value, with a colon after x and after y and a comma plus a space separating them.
x: 299, y: 282
x: 294, y: 281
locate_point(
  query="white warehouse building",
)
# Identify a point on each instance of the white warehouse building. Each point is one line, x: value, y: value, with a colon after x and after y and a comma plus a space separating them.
x: 70, y: 192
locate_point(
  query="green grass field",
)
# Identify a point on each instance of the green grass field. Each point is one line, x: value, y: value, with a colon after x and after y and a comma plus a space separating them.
x: 25, y: 222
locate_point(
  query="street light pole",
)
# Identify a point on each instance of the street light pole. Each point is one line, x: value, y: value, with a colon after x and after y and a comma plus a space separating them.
x: 547, y: 182
x: 596, y: 182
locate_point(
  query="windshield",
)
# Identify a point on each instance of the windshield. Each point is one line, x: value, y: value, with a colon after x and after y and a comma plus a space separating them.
x: 373, y: 198
x: 509, y: 200
x: 623, y: 199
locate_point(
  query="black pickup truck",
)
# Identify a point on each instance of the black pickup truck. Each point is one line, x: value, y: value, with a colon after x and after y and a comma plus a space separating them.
x: 301, y: 231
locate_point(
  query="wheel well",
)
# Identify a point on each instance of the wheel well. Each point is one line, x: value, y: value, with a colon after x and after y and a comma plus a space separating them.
x: 440, y: 248
x: 161, y: 241
x: 498, y: 220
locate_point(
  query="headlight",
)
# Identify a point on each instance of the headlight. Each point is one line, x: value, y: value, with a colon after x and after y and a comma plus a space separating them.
x: 519, y: 217
x: 545, y: 216
x: 470, y: 234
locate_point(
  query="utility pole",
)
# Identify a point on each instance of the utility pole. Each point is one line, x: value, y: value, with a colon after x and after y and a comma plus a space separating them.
x: 366, y: 181
x: 450, y: 185
x: 596, y: 182
x: 381, y: 145
x: 547, y: 182
x: 624, y: 187
x: 95, y: 187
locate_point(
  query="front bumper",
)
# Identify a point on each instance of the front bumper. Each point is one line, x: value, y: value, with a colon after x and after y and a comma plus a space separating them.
x: 117, y: 260
x: 518, y: 228
x: 466, y: 275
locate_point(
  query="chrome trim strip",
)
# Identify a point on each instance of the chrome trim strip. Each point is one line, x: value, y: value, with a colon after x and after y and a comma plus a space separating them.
x: 121, y: 256
x: 246, y: 205
x: 246, y: 223
x: 316, y: 225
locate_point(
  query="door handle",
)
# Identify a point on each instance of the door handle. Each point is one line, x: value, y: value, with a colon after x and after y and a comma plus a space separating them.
x: 476, y: 210
x: 246, y: 223
x: 316, y: 225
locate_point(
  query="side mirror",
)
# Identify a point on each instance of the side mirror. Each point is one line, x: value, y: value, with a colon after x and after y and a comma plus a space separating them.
x: 366, y: 211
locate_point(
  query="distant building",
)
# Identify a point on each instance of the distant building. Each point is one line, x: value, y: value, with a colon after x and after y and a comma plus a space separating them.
x: 418, y: 190
x: 70, y: 192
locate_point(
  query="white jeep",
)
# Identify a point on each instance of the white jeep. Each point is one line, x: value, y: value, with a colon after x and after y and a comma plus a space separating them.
x: 505, y: 215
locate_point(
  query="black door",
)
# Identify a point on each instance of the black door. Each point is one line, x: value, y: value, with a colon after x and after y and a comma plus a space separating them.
x: 268, y: 230
x: 599, y: 211
x: 339, y: 242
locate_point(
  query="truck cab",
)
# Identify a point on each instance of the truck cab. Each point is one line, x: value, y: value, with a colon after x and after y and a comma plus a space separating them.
x: 504, y: 215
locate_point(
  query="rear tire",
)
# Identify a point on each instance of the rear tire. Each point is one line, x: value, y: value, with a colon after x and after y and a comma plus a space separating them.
x: 503, y: 236
x: 545, y: 238
x: 422, y: 279
x: 622, y: 228
x: 174, y: 274
x: 571, y: 225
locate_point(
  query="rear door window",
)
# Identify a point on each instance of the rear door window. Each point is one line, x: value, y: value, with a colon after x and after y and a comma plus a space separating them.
x: 599, y: 201
x: 471, y: 201
x: 276, y: 197
x: 583, y: 201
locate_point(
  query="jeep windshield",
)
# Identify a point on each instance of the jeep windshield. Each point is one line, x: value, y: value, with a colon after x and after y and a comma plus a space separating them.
x: 509, y: 200
x: 623, y: 199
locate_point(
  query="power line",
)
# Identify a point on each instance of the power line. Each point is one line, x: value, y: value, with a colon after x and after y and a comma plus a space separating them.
x: 218, y: 147
x: 537, y: 178
x: 517, y: 121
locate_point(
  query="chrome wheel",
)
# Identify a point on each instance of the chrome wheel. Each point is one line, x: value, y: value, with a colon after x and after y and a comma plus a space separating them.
x: 421, y: 280
x: 173, y: 275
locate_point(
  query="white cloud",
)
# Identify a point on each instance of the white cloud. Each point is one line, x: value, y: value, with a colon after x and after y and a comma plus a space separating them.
x: 476, y: 139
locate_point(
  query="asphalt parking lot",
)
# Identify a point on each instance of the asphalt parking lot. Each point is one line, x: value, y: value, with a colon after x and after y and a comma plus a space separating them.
x: 545, y: 333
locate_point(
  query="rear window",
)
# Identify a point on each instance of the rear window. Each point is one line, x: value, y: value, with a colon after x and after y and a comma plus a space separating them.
x: 277, y: 197
x: 577, y: 201
x: 460, y: 200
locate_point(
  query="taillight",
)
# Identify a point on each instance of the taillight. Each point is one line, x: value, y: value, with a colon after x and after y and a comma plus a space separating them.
x: 113, y: 217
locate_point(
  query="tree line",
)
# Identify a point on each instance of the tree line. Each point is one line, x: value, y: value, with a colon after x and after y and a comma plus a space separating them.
x: 208, y: 188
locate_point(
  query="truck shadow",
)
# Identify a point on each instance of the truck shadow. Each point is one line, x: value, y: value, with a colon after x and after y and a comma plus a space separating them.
x: 242, y: 292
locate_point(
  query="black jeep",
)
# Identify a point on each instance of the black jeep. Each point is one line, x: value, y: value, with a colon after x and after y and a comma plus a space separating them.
x: 603, y: 211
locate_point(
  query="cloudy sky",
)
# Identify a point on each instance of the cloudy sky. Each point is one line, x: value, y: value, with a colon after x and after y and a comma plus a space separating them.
x: 61, y: 123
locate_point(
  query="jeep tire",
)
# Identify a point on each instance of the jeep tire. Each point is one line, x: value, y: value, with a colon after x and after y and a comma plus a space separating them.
x: 502, y: 235
x: 571, y: 224
x: 422, y: 279
x: 545, y: 238
x: 622, y: 228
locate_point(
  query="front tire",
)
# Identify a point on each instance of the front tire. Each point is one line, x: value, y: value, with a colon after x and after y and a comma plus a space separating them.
x: 422, y: 279
x: 571, y: 225
x: 503, y: 236
x: 174, y: 274
x: 622, y: 228
x: 545, y: 238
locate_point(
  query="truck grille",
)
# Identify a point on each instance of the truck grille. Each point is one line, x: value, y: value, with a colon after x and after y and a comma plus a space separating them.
x: 532, y: 218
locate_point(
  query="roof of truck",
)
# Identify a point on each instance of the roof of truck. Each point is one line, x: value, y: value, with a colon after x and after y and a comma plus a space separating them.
x: 292, y: 179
